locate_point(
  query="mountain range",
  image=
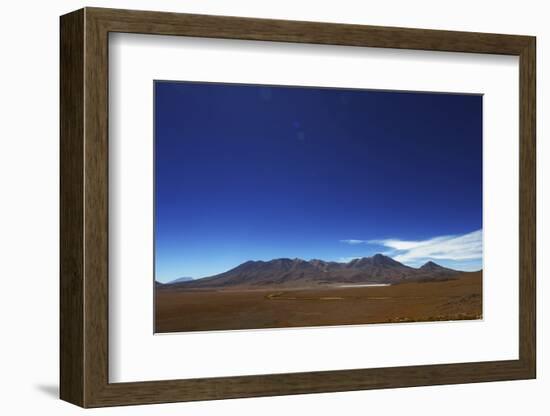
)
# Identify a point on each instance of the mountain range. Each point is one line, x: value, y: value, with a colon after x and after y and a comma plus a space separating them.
x: 284, y: 272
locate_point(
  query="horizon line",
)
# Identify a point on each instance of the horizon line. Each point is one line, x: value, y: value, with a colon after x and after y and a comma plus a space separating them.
x: 318, y: 259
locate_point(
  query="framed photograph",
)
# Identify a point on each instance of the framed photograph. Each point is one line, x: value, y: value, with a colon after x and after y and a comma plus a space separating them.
x: 255, y: 207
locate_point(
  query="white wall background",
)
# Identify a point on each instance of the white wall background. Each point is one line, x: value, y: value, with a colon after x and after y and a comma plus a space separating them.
x: 29, y: 206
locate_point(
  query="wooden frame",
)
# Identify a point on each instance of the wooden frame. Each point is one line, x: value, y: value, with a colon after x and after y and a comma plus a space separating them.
x: 84, y: 207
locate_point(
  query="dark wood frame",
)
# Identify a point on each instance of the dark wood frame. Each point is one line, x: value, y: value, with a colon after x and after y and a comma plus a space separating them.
x: 84, y: 207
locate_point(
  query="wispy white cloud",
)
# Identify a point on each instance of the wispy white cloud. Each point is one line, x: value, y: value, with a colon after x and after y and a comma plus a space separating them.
x: 354, y: 242
x: 452, y: 247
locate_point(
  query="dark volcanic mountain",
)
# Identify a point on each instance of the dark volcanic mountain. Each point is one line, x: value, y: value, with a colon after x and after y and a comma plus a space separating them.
x: 302, y: 273
x: 431, y: 266
x: 430, y: 270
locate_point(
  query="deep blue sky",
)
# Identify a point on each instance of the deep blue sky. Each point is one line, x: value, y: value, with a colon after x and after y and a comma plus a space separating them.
x: 253, y: 172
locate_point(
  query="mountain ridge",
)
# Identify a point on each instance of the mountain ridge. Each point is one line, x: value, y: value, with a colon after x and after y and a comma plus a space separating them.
x: 286, y: 272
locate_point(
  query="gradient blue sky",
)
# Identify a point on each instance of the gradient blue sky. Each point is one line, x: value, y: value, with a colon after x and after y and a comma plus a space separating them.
x: 245, y: 172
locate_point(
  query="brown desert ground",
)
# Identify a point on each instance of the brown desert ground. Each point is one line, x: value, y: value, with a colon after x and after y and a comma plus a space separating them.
x: 207, y: 309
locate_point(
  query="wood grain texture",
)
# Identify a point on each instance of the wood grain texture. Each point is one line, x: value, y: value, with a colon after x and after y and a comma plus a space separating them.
x: 84, y: 207
x: 72, y: 215
x: 527, y: 208
x: 162, y: 23
x: 96, y: 209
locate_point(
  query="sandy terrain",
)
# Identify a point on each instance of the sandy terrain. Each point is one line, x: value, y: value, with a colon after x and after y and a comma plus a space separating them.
x: 179, y: 310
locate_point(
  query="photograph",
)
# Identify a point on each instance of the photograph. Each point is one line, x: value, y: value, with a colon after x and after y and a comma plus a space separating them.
x: 282, y: 206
